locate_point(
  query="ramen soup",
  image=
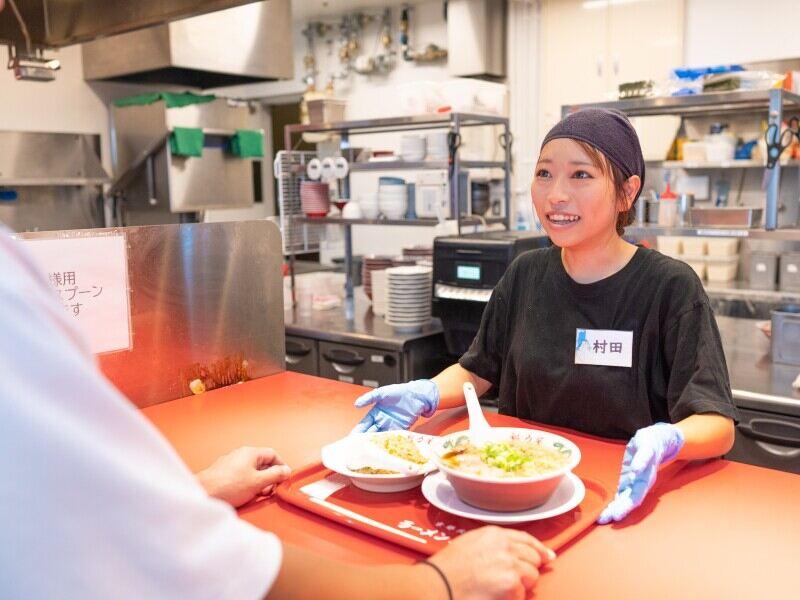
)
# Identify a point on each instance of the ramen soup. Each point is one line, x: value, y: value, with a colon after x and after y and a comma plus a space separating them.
x: 511, y: 458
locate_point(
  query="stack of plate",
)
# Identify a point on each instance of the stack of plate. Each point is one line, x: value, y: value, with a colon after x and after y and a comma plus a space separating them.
x: 314, y: 198
x: 437, y: 146
x: 373, y: 262
x: 380, y: 292
x: 403, y: 261
x: 419, y: 252
x: 412, y: 148
x: 409, y: 307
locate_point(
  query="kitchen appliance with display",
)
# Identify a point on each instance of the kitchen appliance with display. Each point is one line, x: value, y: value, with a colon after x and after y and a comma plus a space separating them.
x: 465, y: 270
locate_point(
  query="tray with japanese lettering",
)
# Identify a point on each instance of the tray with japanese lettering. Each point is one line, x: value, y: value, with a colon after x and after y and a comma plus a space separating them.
x: 408, y: 519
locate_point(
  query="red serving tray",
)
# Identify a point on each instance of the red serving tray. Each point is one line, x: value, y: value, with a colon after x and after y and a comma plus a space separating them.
x: 409, y: 520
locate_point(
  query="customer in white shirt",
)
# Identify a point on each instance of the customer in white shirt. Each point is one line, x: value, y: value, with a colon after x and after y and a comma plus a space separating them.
x: 95, y: 503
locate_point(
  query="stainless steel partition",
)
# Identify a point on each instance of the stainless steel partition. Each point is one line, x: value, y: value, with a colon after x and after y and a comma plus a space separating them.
x: 206, y: 303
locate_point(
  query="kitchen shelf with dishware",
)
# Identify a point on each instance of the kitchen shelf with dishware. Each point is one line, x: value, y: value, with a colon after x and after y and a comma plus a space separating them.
x: 418, y: 222
x: 775, y: 104
x: 744, y: 163
x: 442, y: 191
x: 401, y: 165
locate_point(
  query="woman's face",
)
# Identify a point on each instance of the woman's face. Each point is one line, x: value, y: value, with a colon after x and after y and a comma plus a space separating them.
x: 574, y: 199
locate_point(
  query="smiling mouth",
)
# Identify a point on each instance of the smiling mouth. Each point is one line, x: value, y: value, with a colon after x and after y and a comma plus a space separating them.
x: 562, y: 220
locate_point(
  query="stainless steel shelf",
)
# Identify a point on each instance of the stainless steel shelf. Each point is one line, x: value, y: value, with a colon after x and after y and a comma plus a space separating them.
x: 401, y: 165
x: 467, y: 219
x: 791, y: 235
x: 727, y: 164
x: 742, y: 290
x: 712, y: 102
x: 53, y: 181
x: 400, y: 123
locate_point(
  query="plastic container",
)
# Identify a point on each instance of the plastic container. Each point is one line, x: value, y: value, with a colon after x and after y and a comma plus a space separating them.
x: 697, y: 262
x: 763, y: 270
x: 475, y: 96
x: 720, y: 147
x: 669, y: 245
x: 325, y: 110
x: 694, y: 152
x: 696, y: 246
x: 790, y: 271
x: 668, y: 209
x: 785, y: 338
x: 722, y: 269
x: 719, y: 247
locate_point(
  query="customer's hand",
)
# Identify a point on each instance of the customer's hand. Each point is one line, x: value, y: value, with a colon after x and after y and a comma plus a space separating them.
x: 398, y: 406
x: 648, y: 448
x: 243, y: 474
x: 492, y: 562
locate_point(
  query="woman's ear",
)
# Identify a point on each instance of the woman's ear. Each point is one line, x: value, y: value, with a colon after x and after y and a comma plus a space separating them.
x: 631, y: 186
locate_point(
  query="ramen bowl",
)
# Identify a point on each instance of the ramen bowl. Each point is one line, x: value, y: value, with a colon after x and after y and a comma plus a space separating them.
x: 520, y: 470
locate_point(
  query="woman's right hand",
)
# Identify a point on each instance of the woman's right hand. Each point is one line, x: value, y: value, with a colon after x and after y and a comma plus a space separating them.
x: 492, y: 563
x: 397, y: 406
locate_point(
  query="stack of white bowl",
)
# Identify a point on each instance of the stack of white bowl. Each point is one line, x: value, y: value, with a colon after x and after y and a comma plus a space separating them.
x: 409, y: 306
x: 412, y: 148
x: 368, y: 201
x: 380, y: 292
x: 393, y: 200
x: 437, y: 146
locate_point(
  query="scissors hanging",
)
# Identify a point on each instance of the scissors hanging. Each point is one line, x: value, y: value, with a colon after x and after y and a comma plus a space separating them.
x: 778, y: 141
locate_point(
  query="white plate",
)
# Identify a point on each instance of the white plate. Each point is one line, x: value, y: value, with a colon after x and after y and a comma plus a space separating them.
x: 569, y: 494
x: 411, y: 310
x: 410, y: 270
x: 407, y: 328
x: 402, y: 280
x: 335, y: 457
x: 409, y: 288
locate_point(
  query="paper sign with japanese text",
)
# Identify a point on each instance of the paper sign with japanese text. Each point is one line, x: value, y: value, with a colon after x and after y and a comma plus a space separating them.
x: 603, y: 347
x: 90, y: 276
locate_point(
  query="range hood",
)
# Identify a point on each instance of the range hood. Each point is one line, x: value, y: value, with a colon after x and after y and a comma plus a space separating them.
x: 244, y: 44
x: 55, y: 23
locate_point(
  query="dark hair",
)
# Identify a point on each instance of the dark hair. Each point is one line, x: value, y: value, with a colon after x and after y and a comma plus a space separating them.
x: 618, y: 179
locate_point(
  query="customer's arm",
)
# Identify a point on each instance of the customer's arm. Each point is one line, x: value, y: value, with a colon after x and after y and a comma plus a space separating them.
x: 490, y: 562
x: 244, y: 474
x: 451, y: 385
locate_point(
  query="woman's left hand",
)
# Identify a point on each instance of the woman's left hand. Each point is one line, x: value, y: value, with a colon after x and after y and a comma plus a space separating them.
x: 647, y: 450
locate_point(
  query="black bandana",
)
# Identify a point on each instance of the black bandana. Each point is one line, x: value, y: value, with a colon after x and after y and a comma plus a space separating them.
x: 607, y: 130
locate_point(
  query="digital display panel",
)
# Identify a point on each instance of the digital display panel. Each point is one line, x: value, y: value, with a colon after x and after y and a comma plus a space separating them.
x: 468, y: 272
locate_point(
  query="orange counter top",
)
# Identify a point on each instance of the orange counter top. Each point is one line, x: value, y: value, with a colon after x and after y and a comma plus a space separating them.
x: 716, y: 530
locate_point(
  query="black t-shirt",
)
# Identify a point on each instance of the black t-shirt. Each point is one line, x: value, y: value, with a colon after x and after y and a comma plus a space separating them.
x: 526, y: 345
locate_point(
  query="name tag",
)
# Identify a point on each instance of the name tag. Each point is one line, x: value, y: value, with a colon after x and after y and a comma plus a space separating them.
x: 603, y: 347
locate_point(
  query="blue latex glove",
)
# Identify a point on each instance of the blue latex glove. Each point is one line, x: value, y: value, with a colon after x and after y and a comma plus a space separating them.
x: 648, y: 448
x: 398, y: 406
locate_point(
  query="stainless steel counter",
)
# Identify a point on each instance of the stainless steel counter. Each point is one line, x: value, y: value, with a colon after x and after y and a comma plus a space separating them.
x: 366, y: 329
x: 756, y: 381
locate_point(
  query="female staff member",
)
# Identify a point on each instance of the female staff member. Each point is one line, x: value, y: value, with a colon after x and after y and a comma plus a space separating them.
x: 594, y: 333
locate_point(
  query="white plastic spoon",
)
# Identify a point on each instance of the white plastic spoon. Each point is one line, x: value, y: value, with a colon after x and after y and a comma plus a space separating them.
x: 479, y: 429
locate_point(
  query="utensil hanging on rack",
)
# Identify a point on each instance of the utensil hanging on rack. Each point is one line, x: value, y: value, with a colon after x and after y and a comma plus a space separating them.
x: 778, y: 141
